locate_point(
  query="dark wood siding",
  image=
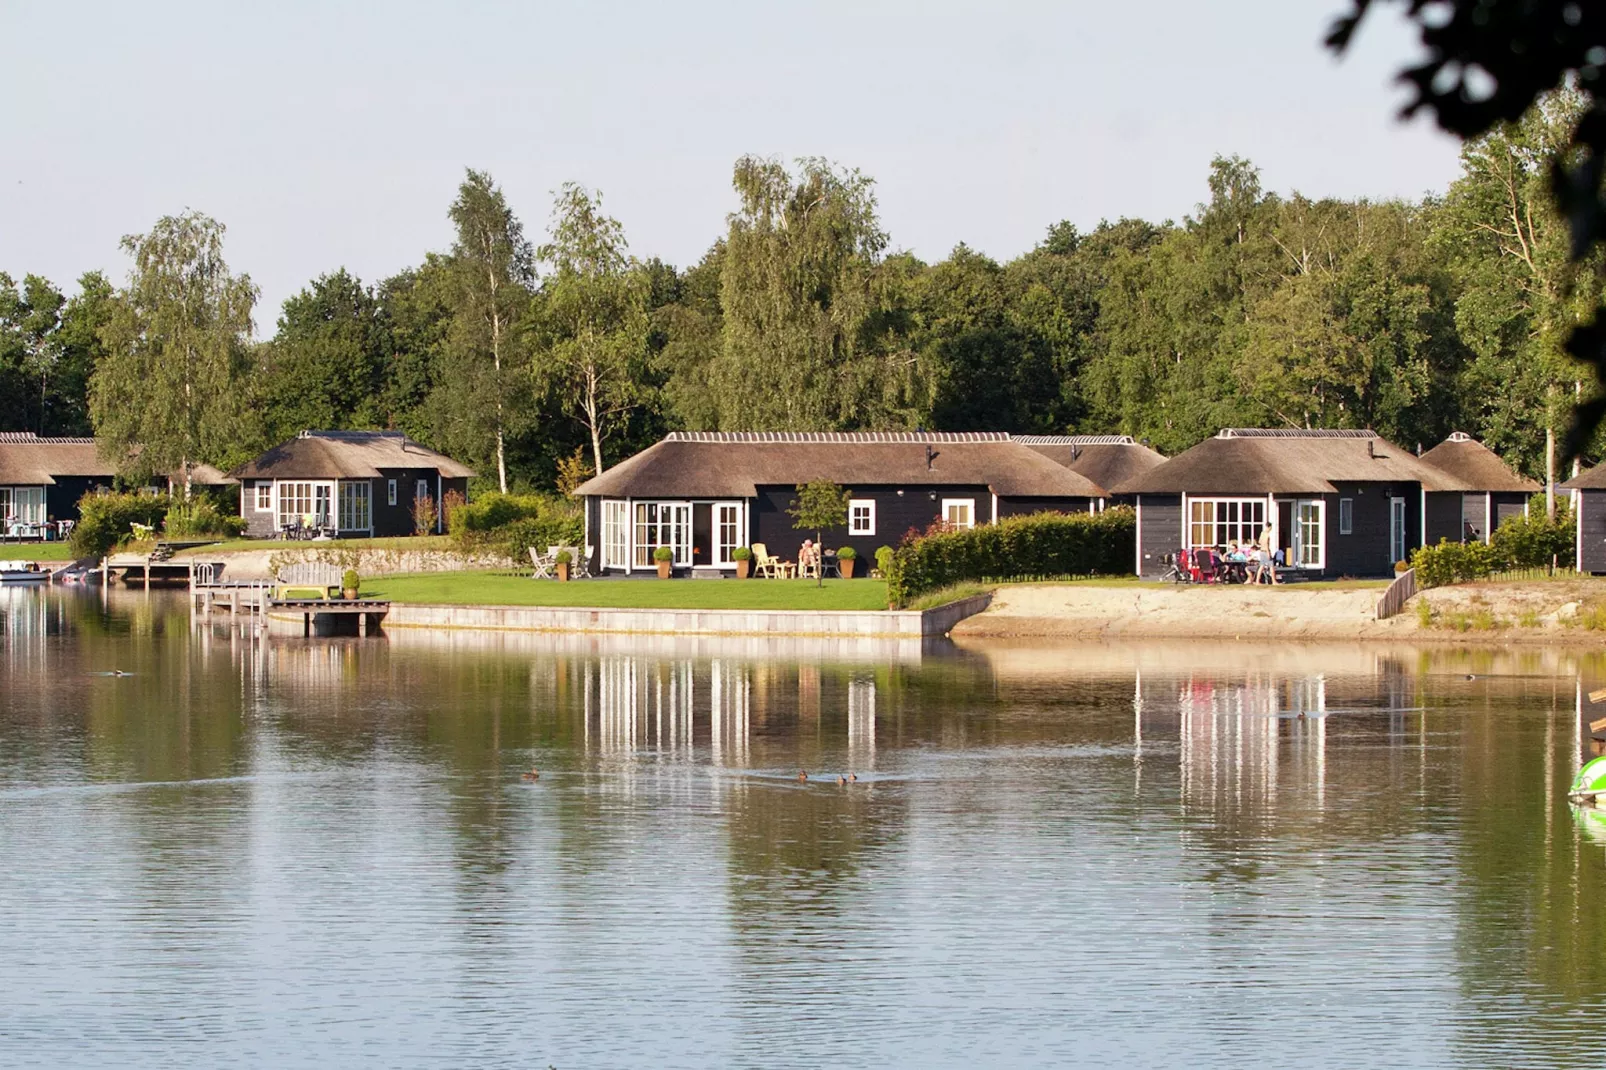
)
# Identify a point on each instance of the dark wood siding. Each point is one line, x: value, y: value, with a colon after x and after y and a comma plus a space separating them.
x: 257, y: 525
x: 1444, y: 517
x: 1159, y: 531
x: 1508, y: 504
x: 1027, y: 506
x: 61, y: 499
x: 916, y: 508
x: 1592, y: 530
x: 1366, y: 551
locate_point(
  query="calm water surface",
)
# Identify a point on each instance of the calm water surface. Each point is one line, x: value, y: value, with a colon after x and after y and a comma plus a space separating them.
x: 285, y: 852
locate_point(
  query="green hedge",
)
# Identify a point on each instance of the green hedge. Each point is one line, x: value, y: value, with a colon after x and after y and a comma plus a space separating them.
x: 1530, y: 541
x: 1022, y: 547
x: 106, y: 519
x: 512, y: 523
x: 202, y: 517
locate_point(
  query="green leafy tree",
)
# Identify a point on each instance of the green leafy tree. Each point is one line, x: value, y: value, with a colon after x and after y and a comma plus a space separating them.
x: 480, y: 389
x: 325, y: 368
x: 803, y: 348
x: 1520, y: 294
x: 80, y: 348
x: 591, y: 318
x: 30, y: 351
x: 174, y: 372
x: 820, y: 506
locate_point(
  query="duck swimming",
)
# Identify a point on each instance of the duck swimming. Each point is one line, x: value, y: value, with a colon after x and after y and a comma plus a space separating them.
x: 802, y: 774
x: 533, y: 774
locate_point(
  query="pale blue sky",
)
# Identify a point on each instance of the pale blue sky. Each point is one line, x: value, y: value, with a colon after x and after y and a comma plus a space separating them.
x: 329, y: 134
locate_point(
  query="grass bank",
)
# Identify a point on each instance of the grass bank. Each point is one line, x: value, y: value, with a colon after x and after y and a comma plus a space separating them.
x: 493, y: 589
x: 35, y: 551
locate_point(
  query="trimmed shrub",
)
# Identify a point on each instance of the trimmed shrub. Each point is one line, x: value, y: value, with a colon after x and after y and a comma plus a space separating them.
x: 663, y: 553
x: 512, y: 523
x: 847, y: 553
x: 106, y: 519
x: 1533, y: 541
x: 741, y: 553
x: 349, y: 580
x: 883, y: 559
x: 1453, y: 562
x: 1022, y: 547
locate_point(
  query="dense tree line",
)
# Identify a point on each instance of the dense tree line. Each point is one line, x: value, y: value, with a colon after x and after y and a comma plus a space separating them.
x: 536, y: 363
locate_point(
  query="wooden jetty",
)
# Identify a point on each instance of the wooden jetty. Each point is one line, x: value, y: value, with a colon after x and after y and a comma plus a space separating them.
x: 157, y: 566
x: 308, y: 590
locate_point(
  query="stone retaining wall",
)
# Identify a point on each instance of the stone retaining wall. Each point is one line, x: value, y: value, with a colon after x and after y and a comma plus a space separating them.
x: 893, y: 624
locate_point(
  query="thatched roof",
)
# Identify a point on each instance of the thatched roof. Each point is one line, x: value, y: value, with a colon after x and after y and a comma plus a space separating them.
x: 1108, y: 460
x: 1476, y: 465
x: 346, y: 455
x: 27, y: 460
x: 707, y: 464
x: 1275, y: 461
x: 1589, y: 479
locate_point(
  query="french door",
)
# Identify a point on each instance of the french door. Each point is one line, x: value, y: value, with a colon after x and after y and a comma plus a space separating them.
x: 727, y: 531
x: 1397, y: 529
x: 1308, y: 550
x: 663, y: 524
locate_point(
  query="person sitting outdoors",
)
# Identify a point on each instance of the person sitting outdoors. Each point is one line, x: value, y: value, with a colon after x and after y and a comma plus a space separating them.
x: 808, y: 559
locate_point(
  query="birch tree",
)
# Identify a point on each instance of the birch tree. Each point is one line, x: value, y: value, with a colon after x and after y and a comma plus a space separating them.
x: 172, y: 378
x: 592, y: 318
x: 495, y: 267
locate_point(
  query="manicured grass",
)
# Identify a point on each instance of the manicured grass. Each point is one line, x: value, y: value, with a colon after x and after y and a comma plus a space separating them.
x: 492, y: 589
x: 411, y: 542
x: 36, y: 551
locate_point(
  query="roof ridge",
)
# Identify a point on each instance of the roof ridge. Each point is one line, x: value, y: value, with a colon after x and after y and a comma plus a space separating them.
x: 837, y: 437
x: 1296, y: 432
x: 28, y: 438
x: 1075, y: 440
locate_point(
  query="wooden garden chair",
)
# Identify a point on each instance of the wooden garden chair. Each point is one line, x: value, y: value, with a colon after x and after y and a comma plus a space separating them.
x: 764, y: 565
x: 543, y: 564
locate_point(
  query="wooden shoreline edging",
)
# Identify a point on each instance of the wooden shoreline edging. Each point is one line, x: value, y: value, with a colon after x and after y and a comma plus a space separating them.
x: 908, y: 624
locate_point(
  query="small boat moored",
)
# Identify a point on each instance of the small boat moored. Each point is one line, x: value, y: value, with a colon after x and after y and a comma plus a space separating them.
x: 23, y: 572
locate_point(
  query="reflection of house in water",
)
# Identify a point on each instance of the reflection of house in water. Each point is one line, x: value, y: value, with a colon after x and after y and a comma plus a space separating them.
x: 1232, y: 736
x: 638, y: 706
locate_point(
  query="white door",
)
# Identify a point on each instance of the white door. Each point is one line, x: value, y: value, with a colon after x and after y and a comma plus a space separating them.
x: 1397, y: 529
x: 727, y: 531
x: 1308, y: 534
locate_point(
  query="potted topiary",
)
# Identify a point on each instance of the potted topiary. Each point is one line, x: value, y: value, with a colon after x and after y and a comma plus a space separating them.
x: 844, y: 561
x: 666, y: 561
x: 744, y: 561
x: 883, y: 563
x: 349, y: 584
x: 562, y: 561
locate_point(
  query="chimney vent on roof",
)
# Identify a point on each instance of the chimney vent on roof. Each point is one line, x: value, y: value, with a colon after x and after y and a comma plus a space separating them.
x: 1076, y: 451
x: 929, y: 455
x: 1371, y: 448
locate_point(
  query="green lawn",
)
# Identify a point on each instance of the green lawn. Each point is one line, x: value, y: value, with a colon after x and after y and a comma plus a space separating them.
x: 491, y: 589
x: 412, y: 542
x: 35, y: 551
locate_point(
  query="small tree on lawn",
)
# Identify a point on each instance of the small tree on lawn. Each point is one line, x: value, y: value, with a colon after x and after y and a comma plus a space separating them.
x: 818, y: 506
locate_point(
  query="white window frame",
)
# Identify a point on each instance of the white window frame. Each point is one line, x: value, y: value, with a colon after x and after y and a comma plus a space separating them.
x: 728, y: 515
x: 390, y: 491
x: 968, y: 503
x: 421, y: 489
x: 1303, y: 558
x: 28, y: 504
x: 361, y: 492
x: 264, y: 497
x: 615, y: 533
x: 1346, y: 516
x: 1243, y: 527
x: 316, y: 488
x: 868, y: 526
x: 664, y: 523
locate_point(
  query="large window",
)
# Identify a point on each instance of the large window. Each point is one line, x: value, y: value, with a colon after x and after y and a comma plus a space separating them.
x: 959, y: 513
x: 28, y: 504
x: 615, y: 534
x: 1218, y: 522
x: 356, y: 499
x: 662, y: 524
x: 307, y: 502
x: 861, y: 516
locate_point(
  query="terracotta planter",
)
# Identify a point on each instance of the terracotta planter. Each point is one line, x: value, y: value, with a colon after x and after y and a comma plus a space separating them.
x: 663, y: 569
x: 845, y: 564
x: 349, y: 594
x: 742, y: 567
x: 563, y: 572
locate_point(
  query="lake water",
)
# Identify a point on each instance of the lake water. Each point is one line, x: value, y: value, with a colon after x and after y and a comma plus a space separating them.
x: 283, y: 852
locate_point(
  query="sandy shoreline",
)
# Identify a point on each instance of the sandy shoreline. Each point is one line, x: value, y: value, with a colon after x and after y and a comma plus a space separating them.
x: 1534, y: 612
